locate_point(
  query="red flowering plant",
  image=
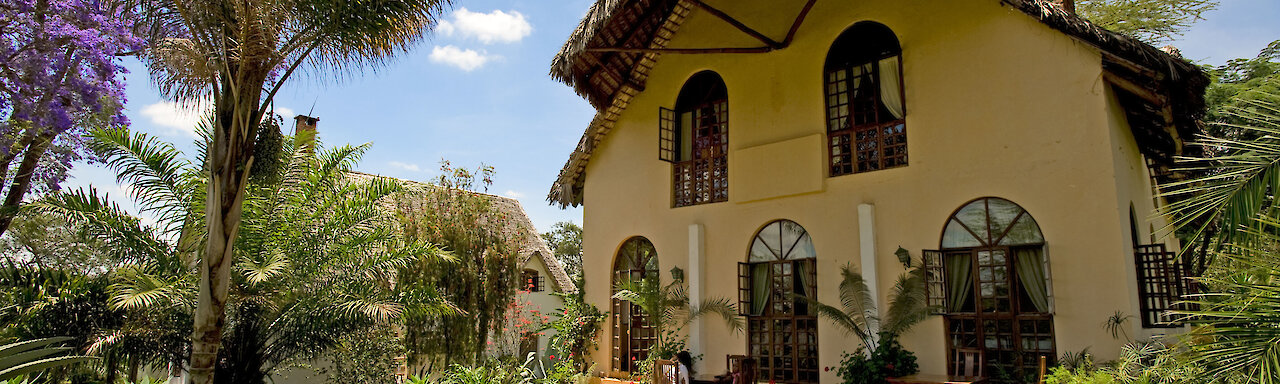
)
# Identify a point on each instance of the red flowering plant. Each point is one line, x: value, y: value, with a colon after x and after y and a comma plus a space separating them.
x: 522, y: 327
x: 575, y: 330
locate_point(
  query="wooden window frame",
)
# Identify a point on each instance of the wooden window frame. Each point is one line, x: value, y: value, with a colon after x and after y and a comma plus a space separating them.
x: 640, y: 335
x: 778, y: 322
x: 1017, y: 319
x: 703, y: 178
x: 1162, y: 284
x: 861, y: 147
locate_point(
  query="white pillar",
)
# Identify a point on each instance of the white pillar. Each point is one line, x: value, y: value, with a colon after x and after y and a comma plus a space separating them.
x: 867, y: 248
x: 694, y: 278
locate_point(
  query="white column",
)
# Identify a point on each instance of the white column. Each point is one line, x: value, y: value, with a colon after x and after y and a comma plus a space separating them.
x: 867, y: 248
x: 694, y: 277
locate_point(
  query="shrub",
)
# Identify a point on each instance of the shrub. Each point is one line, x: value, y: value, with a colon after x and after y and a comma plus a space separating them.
x: 888, y: 360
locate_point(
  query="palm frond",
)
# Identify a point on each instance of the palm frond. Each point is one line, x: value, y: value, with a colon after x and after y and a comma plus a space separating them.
x: 720, y: 307
x: 1237, y: 184
x: 908, y: 303
x: 856, y: 300
x: 152, y: 168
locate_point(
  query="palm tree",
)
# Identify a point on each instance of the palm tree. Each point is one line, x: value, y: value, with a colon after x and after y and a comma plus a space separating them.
x: 668, y: 309
x: 314, y: 261
x: 239, y: 54
x: 1233, y: 206
x: 858, y: 315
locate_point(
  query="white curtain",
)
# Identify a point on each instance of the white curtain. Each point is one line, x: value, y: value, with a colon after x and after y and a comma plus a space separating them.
x: 891, y: 86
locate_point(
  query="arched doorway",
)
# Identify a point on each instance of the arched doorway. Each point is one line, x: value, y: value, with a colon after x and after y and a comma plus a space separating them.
x: 632, y: 334
x: 782, y: 334
x: 998, y: 288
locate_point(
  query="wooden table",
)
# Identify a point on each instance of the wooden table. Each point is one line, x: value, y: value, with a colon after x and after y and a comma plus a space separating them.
x: 937, y: 379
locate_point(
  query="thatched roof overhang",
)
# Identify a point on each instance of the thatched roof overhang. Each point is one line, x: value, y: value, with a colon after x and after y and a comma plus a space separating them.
x: 608, y: 57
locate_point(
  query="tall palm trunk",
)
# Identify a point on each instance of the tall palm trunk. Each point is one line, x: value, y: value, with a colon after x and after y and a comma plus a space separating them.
x: 230, y: 156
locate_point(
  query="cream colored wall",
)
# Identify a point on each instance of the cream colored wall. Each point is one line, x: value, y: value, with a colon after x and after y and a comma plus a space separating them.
x: 998, y: 105
x: 1134, y: 189
x: 545, y: 302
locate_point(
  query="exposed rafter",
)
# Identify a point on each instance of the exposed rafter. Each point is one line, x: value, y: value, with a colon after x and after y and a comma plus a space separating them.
x: 770, y: 44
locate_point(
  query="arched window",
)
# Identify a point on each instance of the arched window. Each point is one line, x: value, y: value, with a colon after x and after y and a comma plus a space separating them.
x: 866, y: 108
x: 694, y: 137
x: 782, y: 334
x: 996, y: 292
x: 632, y: 334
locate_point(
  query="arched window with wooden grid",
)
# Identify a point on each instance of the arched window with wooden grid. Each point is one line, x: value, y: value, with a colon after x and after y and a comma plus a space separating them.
x: 633, y: 333
x: 782, y: 333
x: 866, y: 105
x: 694, y: 138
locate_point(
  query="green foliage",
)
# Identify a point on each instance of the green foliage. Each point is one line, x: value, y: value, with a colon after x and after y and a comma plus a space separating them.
x: 365, y: 357
x: 315, y: 257
x: 576, y: 330
x: 1242, y: 86
x: 1139, y: 363
x: 669, y: 310
x: 1153, y: 21
x: 888, y: 359
x: 480, y: 280
x: 47, y: 242
x: 32, y: 356
x: 565, y: 240
x: 858, y: 315
x: 493, y: 372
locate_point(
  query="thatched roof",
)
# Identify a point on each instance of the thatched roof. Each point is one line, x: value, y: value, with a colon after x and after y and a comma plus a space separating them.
x: 609, y: 79
x: 530, y: 246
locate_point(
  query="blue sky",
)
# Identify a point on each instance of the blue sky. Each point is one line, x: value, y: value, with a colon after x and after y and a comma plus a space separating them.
x: 477, y: 91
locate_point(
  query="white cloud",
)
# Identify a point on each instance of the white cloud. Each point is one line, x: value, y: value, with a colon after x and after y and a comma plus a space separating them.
x: 465, y: 59
x: 174, y: 118
x: 513, y: 194
x: 405, y: 166
x: 285, y: 112
x: 496, y: 26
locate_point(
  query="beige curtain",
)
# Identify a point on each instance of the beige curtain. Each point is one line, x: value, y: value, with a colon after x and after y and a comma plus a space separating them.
x: 1030, y: 265
x: 891, y: 86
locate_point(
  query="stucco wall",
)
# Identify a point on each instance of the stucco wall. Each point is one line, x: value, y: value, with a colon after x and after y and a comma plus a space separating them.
x: 997, y: 105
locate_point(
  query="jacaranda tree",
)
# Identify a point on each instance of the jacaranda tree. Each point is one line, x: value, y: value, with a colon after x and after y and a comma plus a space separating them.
x: 59, y: 77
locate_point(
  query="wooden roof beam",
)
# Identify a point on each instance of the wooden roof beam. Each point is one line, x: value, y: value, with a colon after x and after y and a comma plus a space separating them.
x: 737, y: 24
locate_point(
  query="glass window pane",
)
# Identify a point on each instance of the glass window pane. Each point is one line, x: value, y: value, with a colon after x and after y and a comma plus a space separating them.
x: 1002, y: 212
x: 955, y: 236
x: 974, y: 216
x: 1024, y: 232
x: 760, y: 252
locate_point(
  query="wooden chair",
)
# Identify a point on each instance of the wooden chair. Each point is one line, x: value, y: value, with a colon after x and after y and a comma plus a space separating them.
x: 742, y: 366
x: 750, y: 371
x: 967, y: 362
x: 666, y: 372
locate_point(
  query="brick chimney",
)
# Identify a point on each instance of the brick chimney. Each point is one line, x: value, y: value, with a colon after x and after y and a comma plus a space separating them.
x: 304, y: 130
x: 1066, y: 5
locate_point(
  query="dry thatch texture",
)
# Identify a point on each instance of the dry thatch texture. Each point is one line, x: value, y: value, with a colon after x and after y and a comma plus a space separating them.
x: 608, y: 80
x: 519, y: 223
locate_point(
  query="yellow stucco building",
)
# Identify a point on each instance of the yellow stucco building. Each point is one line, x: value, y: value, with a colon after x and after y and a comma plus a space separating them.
x: 760, y: 145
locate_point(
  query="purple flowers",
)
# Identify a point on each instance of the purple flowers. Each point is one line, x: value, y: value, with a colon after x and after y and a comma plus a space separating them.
x: 59, y: 77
